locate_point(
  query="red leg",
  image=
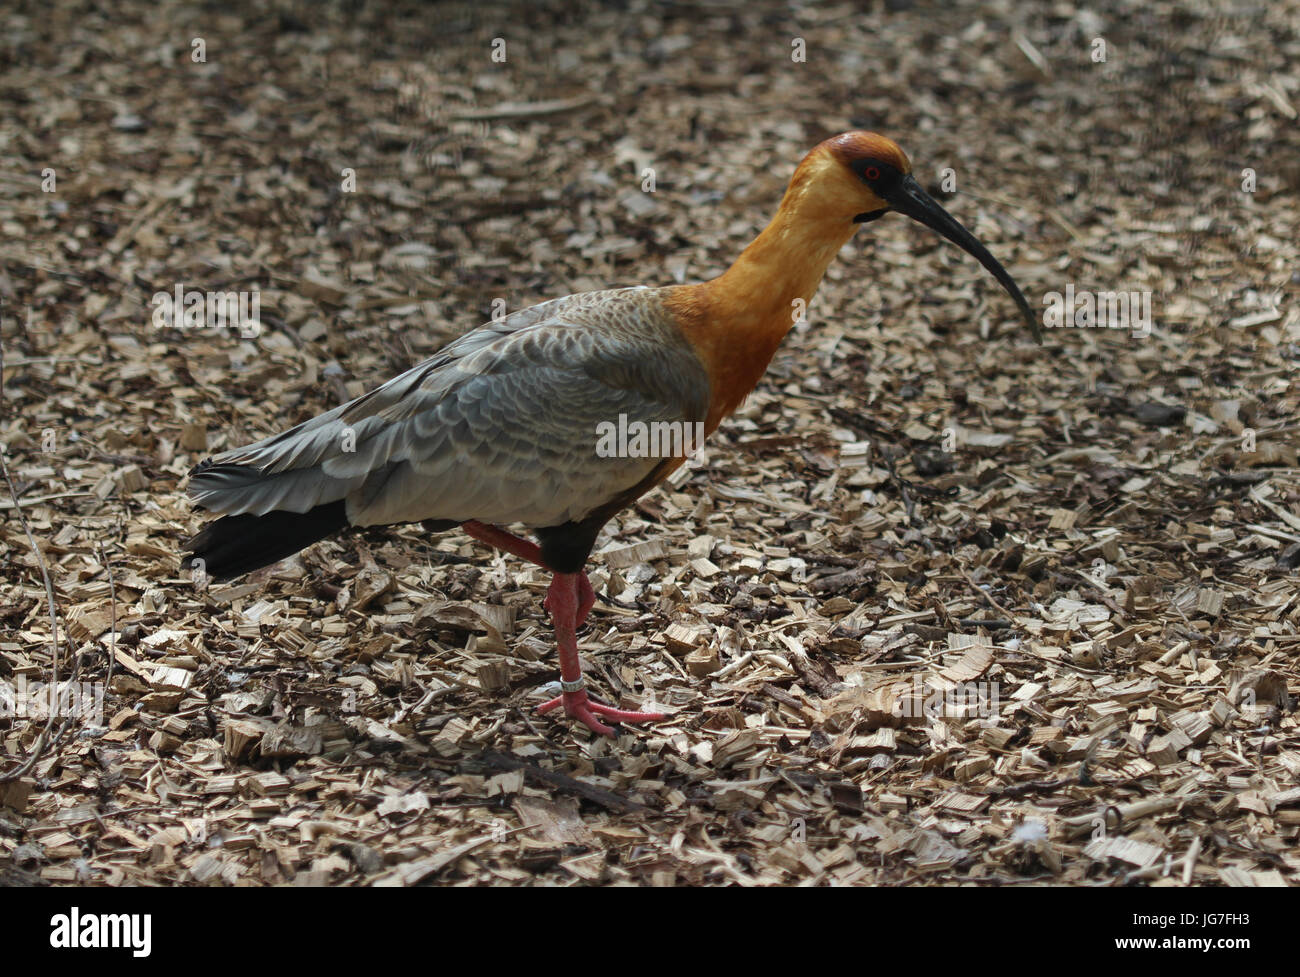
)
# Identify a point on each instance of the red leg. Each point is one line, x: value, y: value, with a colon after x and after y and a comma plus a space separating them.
x: 569, y: 599
x: 526, y: 550
x: 586, y: 599
x: 508, y: 542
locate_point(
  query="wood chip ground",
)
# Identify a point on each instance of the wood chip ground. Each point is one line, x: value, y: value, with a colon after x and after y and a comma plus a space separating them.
x: 1099, y: 536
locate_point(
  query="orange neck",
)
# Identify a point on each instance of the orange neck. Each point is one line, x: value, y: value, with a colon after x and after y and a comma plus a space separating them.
x: 737, y: 320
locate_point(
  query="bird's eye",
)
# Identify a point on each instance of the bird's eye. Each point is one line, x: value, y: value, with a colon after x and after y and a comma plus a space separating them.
x: 871, y: 173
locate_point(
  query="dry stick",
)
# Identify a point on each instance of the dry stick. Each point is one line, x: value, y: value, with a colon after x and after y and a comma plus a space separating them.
x: 47, y: 498
x: 986, y: 595
x: 112, y: 597
x: 44, y: 738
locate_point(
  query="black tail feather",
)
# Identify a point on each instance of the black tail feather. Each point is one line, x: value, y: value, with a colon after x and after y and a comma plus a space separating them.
x: 235, y: 545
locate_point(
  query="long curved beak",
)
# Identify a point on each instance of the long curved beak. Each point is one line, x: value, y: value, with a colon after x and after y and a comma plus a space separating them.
x: 908, y: 198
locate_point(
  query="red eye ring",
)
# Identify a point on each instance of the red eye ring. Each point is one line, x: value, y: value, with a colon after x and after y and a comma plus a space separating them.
x: 871, y: 173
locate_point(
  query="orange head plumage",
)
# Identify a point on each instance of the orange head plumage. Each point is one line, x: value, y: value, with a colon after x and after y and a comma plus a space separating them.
x: 847, y: 180
x: 840, y: 180
x: 867, y: 175
x: 736, y: 321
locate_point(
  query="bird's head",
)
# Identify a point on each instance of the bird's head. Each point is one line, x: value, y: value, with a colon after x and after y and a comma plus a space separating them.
x: 861, y: 176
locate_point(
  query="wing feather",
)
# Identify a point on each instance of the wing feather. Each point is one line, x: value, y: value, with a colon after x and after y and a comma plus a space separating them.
x: 499, y: 426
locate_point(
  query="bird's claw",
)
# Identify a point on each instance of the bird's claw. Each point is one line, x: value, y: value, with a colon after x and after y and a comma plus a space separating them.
x: 580, y: 707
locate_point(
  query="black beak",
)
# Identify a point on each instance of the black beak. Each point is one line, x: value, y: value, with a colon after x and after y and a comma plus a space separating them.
x: 908, y: 198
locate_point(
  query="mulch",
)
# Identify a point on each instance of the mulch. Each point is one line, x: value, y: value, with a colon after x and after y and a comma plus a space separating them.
x: 1100, y: 534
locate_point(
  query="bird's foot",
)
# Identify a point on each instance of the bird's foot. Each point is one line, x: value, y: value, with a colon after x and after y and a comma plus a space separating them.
x: 580, y: 707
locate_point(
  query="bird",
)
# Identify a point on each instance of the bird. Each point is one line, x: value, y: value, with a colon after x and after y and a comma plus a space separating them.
x: 500, y: 427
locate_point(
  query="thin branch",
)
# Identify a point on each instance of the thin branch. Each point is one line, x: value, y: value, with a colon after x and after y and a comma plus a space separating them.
x: 112, y: 597
x: 45, y: 739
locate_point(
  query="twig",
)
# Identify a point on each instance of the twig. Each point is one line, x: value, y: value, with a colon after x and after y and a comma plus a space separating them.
x: 558, y: 781
x: 524, y: 110
x: 45, y: 498
x: 45, y: 739
x: 112, y: 597
x: 986, y: 595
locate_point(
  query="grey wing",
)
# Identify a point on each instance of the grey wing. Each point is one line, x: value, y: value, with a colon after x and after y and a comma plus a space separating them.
x: 501, y: 426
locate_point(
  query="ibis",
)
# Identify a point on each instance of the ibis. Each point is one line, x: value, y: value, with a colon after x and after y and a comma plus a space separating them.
x: 500, y: 428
